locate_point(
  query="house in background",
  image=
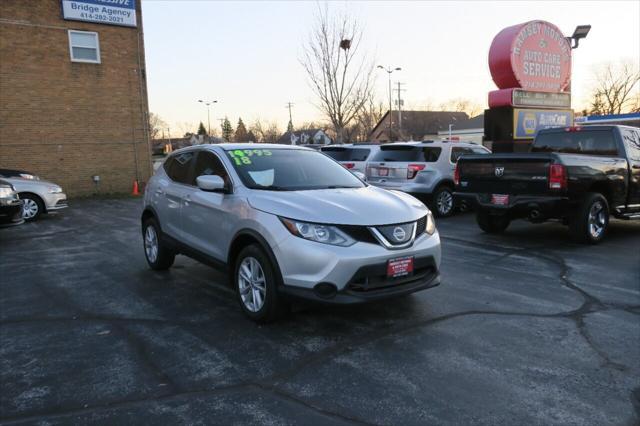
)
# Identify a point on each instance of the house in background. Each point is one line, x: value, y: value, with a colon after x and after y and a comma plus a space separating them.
x: 414, y: 125
x: 300, y: 137
x: 470, y: 130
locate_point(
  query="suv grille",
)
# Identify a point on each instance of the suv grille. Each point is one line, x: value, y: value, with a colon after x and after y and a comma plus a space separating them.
x: 397, y: 234
x: 373, y: 279
x: 362, y: 233
x: 421, y: 226
x: 359, y: 233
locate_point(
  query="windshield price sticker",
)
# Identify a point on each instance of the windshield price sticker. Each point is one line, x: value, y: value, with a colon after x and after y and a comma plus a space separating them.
x: 242, y: 156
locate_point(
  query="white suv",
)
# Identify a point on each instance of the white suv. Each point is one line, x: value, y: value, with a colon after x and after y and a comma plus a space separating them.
x: 424, y: 169
x: 286, y: 222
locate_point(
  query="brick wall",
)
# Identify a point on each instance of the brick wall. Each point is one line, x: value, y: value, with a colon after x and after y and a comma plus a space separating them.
x: 67, y: 121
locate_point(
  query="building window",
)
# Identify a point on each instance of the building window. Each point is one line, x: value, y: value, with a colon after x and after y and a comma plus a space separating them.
x: 84, y: 46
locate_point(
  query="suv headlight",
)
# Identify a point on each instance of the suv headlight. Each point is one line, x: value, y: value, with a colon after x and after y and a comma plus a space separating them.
x: 55, y: 190
x: 431, y: 224
x: 6, y: 191
x: 325, y: 234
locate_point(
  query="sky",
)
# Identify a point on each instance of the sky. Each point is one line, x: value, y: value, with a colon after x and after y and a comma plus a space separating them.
x: 246, y: 54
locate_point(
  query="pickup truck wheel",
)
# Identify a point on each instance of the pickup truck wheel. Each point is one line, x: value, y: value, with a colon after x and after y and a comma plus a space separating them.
x: 256, y: 285
x: 591, y: 221
x: 442, y: 202
x: 492, y: 224
x: 159, y: 256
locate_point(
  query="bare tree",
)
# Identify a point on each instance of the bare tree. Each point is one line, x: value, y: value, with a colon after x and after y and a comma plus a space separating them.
x: 187, y: 129
x: 272, y: 133
x: 156, y: 125
x: 258, y: 130
x: 340, y: 76
x: 265, y: 132
x: 366, y: 119
x: 616, y: 89
x: 461, y: 105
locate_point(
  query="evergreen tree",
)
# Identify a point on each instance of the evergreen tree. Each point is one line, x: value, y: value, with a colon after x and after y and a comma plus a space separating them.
x: 201, y: 129
x: 251, y: 137
x: 227, y: 130
x: 290, y: 128
x: 241, y: 132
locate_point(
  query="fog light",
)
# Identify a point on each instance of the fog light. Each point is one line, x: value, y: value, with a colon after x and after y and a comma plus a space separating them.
x: 325, y: 290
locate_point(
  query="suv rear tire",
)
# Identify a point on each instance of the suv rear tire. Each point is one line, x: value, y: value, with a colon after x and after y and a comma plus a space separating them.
x: 158, y: 255
x: 591, y: 220
x: 492, y: 224
x: 442, y: 202
x: 256, y: 281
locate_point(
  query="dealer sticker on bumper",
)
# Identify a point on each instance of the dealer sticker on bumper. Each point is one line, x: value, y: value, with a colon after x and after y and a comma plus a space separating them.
x: 400, y: 267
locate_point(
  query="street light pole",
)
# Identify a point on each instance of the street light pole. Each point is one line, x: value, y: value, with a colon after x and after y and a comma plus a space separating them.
x: 208, y: 103
x: 390, y: 71
x: 580, y: 32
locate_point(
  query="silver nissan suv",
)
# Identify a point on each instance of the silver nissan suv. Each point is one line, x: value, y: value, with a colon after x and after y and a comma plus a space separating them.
x: 287, y: 222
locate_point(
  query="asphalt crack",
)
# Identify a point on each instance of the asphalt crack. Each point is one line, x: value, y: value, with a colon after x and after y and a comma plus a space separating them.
x: 273, y: 383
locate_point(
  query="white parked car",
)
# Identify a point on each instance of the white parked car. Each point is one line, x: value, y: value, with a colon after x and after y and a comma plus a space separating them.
x: 38, y: 196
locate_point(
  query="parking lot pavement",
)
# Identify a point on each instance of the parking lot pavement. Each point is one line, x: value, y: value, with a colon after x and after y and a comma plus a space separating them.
x: 526, y: 328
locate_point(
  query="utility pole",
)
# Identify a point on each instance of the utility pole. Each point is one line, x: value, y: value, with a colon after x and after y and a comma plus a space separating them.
x: 289, y: 105
x: 400, y: 101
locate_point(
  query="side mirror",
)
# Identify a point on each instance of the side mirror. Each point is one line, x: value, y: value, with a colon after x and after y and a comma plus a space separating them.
x: 210, y: 183
x: 360, y: 176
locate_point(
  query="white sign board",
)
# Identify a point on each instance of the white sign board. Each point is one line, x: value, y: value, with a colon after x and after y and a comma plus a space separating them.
x: 110, y: 12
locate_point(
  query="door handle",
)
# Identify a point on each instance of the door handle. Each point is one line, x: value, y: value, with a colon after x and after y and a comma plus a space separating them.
x: 636, y: 166
x: 159, y: 191
x: 187, y: 198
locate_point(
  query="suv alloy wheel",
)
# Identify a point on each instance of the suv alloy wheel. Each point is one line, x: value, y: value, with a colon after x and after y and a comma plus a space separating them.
x: 255, y: 281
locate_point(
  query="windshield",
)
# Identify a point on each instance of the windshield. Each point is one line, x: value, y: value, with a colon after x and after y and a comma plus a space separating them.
x: 290, y: 170
x: 347, y: 154
x: 585, y: 141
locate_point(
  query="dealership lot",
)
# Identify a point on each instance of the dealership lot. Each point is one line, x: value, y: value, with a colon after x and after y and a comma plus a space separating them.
x: 526, y: 328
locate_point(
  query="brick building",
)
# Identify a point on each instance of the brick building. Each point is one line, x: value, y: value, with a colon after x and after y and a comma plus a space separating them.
x: 73, y: 94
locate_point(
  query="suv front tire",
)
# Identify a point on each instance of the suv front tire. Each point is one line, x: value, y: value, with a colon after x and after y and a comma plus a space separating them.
x: 256, y: 283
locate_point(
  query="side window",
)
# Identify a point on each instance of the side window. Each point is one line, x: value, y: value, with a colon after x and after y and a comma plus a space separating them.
x: 632, y: 143
x: 431, y: 155
x: 168, y: 163
x: 207, y: 163
x: 457, y: 152
x: 179, y: 167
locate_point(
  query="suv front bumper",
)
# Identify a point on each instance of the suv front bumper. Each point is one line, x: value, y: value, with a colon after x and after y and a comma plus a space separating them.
x: 358, y: 273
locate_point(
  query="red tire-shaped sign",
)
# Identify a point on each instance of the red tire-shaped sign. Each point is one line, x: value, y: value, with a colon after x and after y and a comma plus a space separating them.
x: 534, y: 56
